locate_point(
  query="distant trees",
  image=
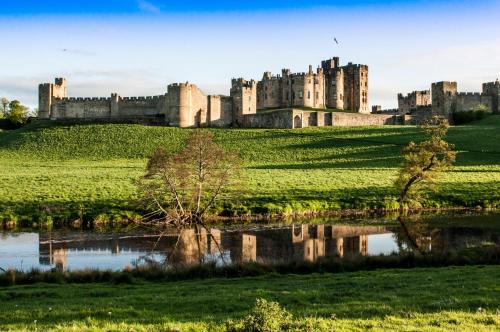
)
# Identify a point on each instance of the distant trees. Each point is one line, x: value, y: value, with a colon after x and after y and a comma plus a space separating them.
x: 15, y: 113
x: 424, y: 162
x: 182, y: 187
x: 18, y: 113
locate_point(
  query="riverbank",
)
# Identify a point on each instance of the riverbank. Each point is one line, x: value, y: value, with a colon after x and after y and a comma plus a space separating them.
x: 432, y: 299
x: 58, y: 174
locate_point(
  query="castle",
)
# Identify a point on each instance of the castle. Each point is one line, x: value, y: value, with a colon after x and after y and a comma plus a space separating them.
x: 444, y: 99
x: 289, y: 100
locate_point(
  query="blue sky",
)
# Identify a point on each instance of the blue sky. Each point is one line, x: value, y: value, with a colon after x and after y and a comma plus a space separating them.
x: 138, y: 47
x: 107, y: 7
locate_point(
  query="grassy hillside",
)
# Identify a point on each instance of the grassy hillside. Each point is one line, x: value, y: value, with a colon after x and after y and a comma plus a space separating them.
x: 53, y: 169
x: 383, y: 300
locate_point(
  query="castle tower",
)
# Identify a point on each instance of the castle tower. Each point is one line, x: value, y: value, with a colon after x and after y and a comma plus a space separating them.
x: 187, y: 105
x: 443, y: 97
x: 244, y: 95
x: 356, y: 88
x: 334, y: 81
x: 46, y: 94
x: 493, y: 89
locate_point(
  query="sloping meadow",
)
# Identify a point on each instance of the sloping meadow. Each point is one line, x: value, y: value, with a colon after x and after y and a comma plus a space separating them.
x: 55, y: 171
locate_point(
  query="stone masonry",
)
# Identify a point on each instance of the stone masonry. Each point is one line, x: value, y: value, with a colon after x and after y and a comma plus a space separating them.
x: 444, y: 99
x: 290, y: 100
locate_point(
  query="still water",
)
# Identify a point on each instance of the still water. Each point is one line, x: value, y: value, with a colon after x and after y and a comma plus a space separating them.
x: 79, y: 249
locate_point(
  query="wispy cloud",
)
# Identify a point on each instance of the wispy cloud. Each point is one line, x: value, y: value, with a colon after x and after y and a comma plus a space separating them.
x: 148, y: 7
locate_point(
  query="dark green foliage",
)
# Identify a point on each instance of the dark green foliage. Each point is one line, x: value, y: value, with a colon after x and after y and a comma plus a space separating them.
x: 489, y: 255
x: 264, y: 317
x: 460, y: 118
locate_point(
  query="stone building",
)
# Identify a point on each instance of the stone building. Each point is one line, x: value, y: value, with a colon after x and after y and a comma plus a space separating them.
x: 330, y: 86
x: 289, y: 100
x: 184, y: 105
x: 446, y: 99
x: 414, y: 101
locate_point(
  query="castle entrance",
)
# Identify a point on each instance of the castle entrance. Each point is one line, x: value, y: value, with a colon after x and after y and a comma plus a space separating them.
x: 297, y: 122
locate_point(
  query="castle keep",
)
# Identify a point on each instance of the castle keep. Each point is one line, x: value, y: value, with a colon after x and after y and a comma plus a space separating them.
x: 289, y: 100
x: 330, y: 86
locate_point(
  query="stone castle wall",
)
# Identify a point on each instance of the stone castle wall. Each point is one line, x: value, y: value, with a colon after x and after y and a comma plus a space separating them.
x: 414, y: 100
x: 185, y: 105
x: 471, y: 101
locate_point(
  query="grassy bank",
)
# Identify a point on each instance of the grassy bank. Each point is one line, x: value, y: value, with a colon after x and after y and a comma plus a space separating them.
x: 50, y: 171
x: 459, y: 299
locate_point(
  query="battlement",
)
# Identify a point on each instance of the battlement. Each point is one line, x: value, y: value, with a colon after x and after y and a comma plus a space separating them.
x: 243, y: 83
x: 330, y: 63
x: 81, y: 99
x: 268, y: 76
x: 186, y: 84
x: 60, y: 81
x: 464, y: 94
x: 148, y: 98
x: 356, y: 66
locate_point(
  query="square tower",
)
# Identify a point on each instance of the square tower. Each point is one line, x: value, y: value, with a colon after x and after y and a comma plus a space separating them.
x: 46, y: 94
x: 443, y: 97
x: 356, y: 88
x: 244, y: 95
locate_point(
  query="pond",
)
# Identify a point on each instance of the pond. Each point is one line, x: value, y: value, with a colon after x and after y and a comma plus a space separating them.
x: 68, y: 249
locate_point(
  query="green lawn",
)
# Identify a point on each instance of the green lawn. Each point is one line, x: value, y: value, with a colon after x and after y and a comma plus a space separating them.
x: 455, y: 298
x: 62, y: 170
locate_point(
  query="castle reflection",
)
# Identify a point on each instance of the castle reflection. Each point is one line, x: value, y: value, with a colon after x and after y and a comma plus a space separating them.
x: 266, y: 245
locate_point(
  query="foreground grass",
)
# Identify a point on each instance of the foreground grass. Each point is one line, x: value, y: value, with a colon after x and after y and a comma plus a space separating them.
x: 48, y: 170
x: 459, y: 299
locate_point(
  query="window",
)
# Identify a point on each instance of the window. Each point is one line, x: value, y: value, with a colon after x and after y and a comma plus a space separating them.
x: 265, y: 96
x: 341, y: 97
x: 308, y: 94
x: 293, y: 81
x: 334, y: 83
x: 317, y: 95
x: 309, y: 81
x: 301, y: 95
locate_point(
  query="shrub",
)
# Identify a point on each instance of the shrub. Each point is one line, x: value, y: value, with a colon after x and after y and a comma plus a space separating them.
x: 475, y: 114
x: 264, y: 317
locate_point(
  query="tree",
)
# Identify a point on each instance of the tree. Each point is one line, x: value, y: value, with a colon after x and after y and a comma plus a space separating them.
x: 424, y: 162
x: 182, y: 187
x: 18, y: 113
x: 5, y: 103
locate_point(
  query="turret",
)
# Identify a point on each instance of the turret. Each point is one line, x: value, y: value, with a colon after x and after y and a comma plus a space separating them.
x: 244, y: 95
x: 46, y: 94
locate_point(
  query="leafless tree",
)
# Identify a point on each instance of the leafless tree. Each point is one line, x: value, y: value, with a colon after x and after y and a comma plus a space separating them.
x: 181, y: 188
x: 184, y: 186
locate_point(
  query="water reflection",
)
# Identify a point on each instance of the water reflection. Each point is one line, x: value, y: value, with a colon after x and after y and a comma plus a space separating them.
x: 84, y: 249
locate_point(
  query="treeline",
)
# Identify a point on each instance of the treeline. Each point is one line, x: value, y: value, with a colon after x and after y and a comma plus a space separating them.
x: 13, y: 114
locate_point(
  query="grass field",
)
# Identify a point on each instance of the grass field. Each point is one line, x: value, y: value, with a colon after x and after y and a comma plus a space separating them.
x: 64, y: 171
x: 458, y: 299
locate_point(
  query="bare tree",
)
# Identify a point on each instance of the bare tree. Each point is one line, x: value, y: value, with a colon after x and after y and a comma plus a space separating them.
x: 424, y: 161
x: 183, y: 187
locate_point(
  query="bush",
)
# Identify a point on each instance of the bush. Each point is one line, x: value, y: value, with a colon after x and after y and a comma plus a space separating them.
x: 476, y: 114
x: 264, y: 317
